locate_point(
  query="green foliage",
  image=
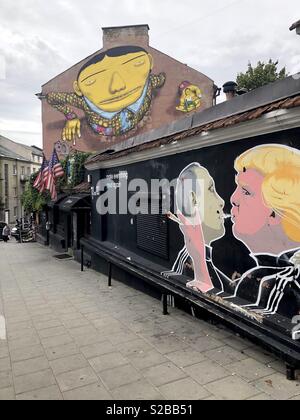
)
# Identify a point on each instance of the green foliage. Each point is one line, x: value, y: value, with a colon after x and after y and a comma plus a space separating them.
x: 261, y: 75
x: 74, y: 170
x: 32, y: 200
x: 73, y: 166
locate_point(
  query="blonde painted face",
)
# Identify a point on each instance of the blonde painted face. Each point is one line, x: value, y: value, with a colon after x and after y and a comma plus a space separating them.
x: 116, y: 82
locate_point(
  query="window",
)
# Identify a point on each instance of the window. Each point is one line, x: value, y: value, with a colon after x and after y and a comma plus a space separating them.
x: 15, y: 192
x: 22, y: 170
x: 15, y: 211
x: 152, y: 230
x: 6, y: 179
x: 15, y: 171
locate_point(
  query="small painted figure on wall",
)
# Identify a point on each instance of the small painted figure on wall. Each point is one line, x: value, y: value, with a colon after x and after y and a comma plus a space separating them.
x: 190, y: 97
x: 114, y: 89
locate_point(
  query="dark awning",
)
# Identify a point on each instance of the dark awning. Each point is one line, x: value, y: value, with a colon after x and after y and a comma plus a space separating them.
x: 75, y: 202
x: 60, y: 197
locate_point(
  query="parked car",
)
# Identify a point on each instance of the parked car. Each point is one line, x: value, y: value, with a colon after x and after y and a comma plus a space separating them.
x: 2, y: 224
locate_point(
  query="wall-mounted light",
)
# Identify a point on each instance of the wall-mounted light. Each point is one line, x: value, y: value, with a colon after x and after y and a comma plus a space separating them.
x: 90, y: 179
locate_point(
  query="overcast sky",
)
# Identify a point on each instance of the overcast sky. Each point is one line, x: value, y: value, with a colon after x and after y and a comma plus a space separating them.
x: 39, y: 39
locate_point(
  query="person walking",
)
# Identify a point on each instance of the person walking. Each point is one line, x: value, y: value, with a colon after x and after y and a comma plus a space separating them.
x: 6, y: 233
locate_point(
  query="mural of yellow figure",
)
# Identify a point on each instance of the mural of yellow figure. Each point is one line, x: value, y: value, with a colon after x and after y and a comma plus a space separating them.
x: 190, y: 97
x: 114, y: 89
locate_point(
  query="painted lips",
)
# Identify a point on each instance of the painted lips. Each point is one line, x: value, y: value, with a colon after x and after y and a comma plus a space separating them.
x: 121, y: 97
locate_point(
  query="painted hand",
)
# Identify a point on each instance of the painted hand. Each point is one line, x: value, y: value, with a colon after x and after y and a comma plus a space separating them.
x: 193, y: 235
x: 296, y: 259
x: 72, y: 130
x: 195, y: 244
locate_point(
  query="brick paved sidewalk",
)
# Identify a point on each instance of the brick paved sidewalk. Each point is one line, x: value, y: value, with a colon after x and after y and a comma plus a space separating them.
x: 70, y: 337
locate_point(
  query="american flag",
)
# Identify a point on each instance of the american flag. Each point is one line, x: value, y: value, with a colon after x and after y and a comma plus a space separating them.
x: 55, y: 171
x: 41, y: 179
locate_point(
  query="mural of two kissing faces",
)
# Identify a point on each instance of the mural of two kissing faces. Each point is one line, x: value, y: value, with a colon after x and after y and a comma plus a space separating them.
x: 266, y: 218
x: 115, y: 90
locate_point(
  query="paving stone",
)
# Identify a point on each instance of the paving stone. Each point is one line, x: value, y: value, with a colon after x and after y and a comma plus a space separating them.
x: 238, y: 343
x: 107, y: 361
x: 261, y: 397
x: 51, y: 393
x: 47, y: 324
x: 97, y: 349
x: 34, y: 381
x: 133, y: 347
x: 259, y: 354
x: 52, y: 332
x: 5, y: 364
x: 119, y: 376
x: 44, y: 318
x: 225, y: 355
x: 56, y: 341
x: 250, y: 370
x: 123, y: 337
x: 206, y: 372
x: 205, y: 343
x: 52, y: 298
x: 16, y: 335
x: 7, y: 394
x: 78, y: 322
x: 278, y: 387
x: 30, y: 366
x: 231, y: 388
x: 5, y: 380
x: 184, y: 389
x: 137, y: 391
x: 94, y: 392
x: 145, y: 359
x: 93, y: 315
x: 26, y: 353
x: 76, y: 379
x: 186, y: 357
x: 70, y: 317
x: 86, y: 340
x: 4, y: 352
x: 69, y: 363
x: 29, y: 341
x: 163, y: 374
x: 167, y: 343
x: 83, y: 331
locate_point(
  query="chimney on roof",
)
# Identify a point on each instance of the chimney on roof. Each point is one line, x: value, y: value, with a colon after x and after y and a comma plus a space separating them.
x: 230, y: 90
x: 296, y: 26
x: 126, y: 35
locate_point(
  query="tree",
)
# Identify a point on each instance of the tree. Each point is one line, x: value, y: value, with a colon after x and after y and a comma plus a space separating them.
x: 261, y: 75
x: 32, y: 200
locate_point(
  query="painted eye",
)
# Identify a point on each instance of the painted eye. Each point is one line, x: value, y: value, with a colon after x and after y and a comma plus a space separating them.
x: 211, y: 189
x: 139, y: 63
x: 90, y: 82
x: 246, y: 192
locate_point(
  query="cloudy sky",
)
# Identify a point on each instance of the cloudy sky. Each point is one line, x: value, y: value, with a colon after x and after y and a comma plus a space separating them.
x: 39, y: 39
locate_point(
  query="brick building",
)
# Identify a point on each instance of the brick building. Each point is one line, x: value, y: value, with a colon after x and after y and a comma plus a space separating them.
x: 125, y: 89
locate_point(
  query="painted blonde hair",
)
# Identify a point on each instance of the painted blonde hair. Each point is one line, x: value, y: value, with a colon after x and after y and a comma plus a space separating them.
x: 280, y: 166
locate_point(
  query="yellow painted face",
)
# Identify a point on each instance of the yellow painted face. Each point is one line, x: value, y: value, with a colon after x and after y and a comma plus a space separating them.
x: 116, y: 82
